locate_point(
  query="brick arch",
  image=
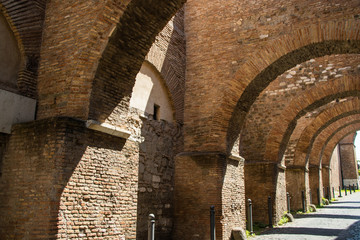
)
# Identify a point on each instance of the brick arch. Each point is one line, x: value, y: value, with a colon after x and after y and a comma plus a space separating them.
x: 14, y: 30
x: 321, y: 122
x: 279, y: 55
x: 320, y: 146
x: 315, y: 97
x: 108, y: 42
x: 126, y: 49
x: 26, y: 21
x: 326, y: 151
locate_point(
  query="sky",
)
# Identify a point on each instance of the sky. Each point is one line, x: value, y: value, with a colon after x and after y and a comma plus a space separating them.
x: 357, y: 145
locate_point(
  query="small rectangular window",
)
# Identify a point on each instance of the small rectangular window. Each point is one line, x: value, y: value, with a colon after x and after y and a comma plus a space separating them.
x: 156, y: 114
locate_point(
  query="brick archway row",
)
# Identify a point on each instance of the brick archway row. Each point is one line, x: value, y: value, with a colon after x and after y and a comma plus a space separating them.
x: 26, y: 21
x: 321, y: 155
x: 319, y: 149
x: 335, y: 138
x: 304, y: 44
x: 313, y: 98
x: 323, y: 120
x: 322, y: 139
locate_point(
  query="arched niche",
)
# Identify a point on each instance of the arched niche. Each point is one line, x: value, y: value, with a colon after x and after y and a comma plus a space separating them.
x: 150, y: 95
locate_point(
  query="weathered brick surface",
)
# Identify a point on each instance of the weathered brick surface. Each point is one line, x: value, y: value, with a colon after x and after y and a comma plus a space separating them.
x: 167, y: 54
x: 261, y: 181
x: 295, y: 184
x: 335, y: 170
x: 61, y: 180
x: 272, y: 109
x: 310, y: 100
x: 336, y: 137
x: 81, y: 183
x: 323, y: 120
x: 348, y: 158
x: 321, y: 144
x: 315, y: 183
x: 325, y: 179
x: 203, y: 180
x: 31, y: 181
x: 26, y: 20
x: 68, y: 67
x: 221, y: 61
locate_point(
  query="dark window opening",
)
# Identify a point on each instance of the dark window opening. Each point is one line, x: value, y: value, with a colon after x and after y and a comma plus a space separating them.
x: 156, y: 114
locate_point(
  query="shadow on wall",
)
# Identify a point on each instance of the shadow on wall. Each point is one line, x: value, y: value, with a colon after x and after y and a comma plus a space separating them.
x: 61, y: 180
x: 156, y: 176
x: 4, y: 138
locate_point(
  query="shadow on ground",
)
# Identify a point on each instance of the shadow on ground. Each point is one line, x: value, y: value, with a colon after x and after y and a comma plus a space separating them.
x: 303, y: 231
x: 327, y: 216
x: 352, y: 232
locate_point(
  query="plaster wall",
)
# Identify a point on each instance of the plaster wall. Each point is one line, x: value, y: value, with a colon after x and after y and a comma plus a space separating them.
x: 15, y: 109
x: 149, y: 90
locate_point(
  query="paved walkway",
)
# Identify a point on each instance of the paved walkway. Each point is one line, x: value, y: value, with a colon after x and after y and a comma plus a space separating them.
x: 340, y: 220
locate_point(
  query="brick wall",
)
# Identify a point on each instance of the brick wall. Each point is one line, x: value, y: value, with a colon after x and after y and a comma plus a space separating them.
x: 335, y: 173
x: 26, y: 19
x: 168, y: 55
x: 348, y: 159
x: 203, y: 180
x: 61, y: 179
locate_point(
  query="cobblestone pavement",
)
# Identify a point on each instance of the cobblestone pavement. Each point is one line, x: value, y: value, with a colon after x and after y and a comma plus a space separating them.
x: 340, y: 220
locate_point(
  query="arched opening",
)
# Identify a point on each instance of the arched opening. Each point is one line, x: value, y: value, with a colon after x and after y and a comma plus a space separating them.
x: 264, y: 156
x: 151, y: 96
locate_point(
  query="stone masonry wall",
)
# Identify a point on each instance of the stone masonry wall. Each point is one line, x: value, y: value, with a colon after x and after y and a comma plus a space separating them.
x: 160, y: 143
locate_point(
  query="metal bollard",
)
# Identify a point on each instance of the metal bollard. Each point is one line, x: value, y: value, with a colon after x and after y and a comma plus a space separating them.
x: 303, y: 200
x: 151, y: 227
x: 340, y: 191
x: 328, y: 193
x: 345, y: 191
x: 270, y: 212
x: 357, y: 186
x: 288, y: 202
x: 250, y: 220
x: 212, y: 223
x: 333, y: 190
x: 350, y: 189
x: 353, y: 187
x: 318, y: 196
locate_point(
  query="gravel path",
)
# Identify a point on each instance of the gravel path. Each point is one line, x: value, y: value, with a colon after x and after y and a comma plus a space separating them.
x: 340, y: 220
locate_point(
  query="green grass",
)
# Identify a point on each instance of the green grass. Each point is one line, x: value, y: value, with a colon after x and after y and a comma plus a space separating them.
x: 248, y: 234
x: 283, y: 220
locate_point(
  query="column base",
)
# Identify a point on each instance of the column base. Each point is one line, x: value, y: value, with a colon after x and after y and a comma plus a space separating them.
x: 263, y: 180
x: 203, y: 180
